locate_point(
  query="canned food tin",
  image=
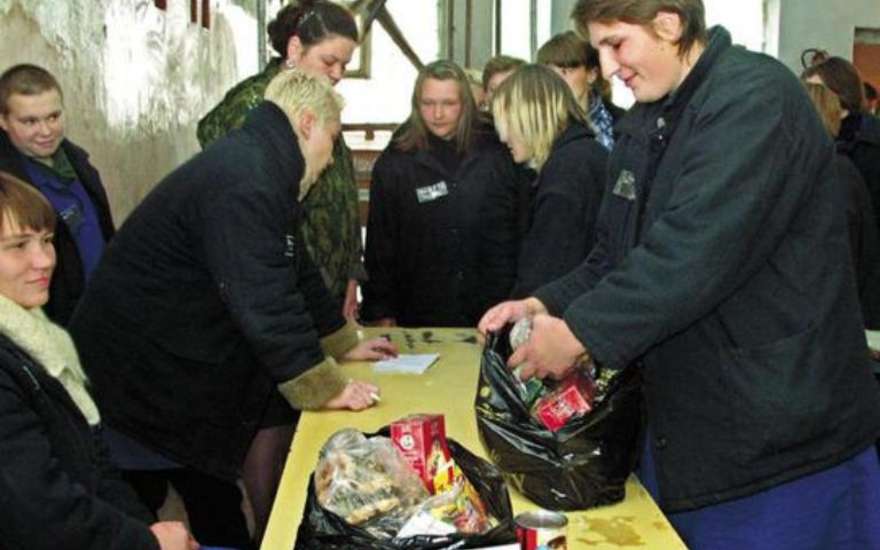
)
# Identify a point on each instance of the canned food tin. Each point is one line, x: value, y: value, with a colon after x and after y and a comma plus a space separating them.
x: 541, y: 530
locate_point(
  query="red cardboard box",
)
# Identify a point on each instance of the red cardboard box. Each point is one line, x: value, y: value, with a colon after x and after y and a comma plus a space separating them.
x: 571, y: 398
x: 421, y: 440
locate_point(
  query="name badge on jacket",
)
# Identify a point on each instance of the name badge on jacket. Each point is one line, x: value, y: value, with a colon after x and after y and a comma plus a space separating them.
x: 431, y: 192
x: 289, y: 245
x: 625, y: 187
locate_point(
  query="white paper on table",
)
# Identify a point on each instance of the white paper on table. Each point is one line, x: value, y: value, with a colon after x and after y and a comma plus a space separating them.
x: 406, y: 364
x: 873, y: 337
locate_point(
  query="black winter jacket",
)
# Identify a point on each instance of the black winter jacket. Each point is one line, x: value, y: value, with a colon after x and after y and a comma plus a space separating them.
x: 864, y: 241
x: 57, y: 487
x: 859, y: 139
x: 206, y: 300
x: 722, y: 267
x: 423, y: 234
x: 68, y: 279
x: 564, y: 207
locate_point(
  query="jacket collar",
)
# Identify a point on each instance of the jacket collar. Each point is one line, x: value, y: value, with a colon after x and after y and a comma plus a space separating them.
x: 575, y: 131
x: 12, y: 161
x: 268, y: 124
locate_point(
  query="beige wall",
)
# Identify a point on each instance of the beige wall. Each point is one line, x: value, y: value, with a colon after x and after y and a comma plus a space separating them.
x: 135, y: 79
x: 799, y: 24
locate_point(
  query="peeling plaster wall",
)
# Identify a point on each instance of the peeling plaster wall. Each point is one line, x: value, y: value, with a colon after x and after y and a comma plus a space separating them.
x: 136, y: 79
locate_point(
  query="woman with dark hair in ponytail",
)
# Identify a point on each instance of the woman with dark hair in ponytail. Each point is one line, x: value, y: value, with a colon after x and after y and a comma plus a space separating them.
x: 318, y: 37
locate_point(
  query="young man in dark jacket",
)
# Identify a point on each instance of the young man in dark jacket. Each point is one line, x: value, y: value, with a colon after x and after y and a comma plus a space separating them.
x: 722, y: 271
x: 426, y: 200
x: 33, y: 148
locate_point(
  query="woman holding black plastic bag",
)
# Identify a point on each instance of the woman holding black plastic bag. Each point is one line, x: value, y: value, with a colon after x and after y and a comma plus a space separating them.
x: 722, y: 270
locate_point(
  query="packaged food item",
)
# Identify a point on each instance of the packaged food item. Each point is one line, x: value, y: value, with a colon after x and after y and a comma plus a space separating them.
x: 520, y: 332
x: 366, y: 481
x: 421, y: 440
x: 529, y: 390
x: 571, y: 398
x: 457, y: 509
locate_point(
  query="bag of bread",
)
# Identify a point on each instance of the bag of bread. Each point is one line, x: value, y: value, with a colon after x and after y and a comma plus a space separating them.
x: 367, y: 482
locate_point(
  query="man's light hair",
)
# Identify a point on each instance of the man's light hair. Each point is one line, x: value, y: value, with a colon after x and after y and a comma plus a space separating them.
x: 294, y: 92
x: 536, y: 105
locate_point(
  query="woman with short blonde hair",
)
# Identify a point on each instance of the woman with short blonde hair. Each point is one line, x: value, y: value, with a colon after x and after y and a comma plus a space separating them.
x: 209, y: 307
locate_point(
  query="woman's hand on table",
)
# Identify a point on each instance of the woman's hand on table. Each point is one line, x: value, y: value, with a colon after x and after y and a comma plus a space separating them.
x: 172, y: 535
x: 551, y: 350
x: 509, y: 312
x: 374, y: 349
x: 356, y: 396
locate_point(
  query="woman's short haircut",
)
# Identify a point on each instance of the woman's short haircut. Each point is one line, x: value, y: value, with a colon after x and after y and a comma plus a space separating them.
x: 24, y: 205
x: 312, y: 21
x: 827, y: 104
x: 414, y: 136
x: 568, y: 50
x: 643, y: 12
x: 25, y: 79
x: 294, y: 91
x: 500, y: 64
x: 537, y: 105
x: 844, y: 80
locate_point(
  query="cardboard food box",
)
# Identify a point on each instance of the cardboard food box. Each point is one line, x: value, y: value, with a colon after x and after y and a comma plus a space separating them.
x: 421, y: 440
x: 573, y: 397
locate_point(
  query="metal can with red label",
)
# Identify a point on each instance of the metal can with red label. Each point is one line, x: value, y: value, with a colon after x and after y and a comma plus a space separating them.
x: 541, y: 530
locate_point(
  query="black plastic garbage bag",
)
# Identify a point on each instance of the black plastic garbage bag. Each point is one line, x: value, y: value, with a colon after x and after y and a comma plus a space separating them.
x: 585, y: 463
x: 322, y: 529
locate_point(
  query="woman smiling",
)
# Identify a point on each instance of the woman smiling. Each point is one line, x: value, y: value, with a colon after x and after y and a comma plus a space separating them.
x: 57, y: 488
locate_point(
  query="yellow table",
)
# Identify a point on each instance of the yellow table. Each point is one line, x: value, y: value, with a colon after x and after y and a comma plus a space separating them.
x: 449, y: 387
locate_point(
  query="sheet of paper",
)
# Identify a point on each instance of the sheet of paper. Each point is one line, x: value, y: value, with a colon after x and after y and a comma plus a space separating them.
x: 406, y: 364
x: 873, y: 339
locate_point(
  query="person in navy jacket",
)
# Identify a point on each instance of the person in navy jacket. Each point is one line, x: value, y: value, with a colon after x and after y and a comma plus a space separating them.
x: 33, y: 148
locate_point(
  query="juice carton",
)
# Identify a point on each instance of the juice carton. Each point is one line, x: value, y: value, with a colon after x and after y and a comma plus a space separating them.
x: 573, y: 397
x: 421, y: 440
